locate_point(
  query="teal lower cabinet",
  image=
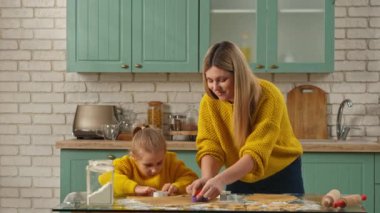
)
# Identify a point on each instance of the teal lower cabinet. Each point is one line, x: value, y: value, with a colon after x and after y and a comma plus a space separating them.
x: 73, y: 167
x: 351, y: 173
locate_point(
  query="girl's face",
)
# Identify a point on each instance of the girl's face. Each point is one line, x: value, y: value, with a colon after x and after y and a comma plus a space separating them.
x: 149, y: 164
x: 221, y: 83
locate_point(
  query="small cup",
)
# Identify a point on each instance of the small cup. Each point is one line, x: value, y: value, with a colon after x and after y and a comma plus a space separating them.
x: 110, y: 131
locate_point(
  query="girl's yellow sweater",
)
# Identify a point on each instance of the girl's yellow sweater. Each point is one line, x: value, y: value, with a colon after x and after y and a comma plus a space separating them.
x: 127, y: 175
x: 272, y: 143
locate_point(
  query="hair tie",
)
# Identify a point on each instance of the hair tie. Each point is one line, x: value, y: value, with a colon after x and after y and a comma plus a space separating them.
x: 139, y: 128
x: 135, y: 130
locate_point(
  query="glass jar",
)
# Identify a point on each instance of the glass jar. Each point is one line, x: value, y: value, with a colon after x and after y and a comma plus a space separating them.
x: 155, y: 114
x: 97, y: 193
x: 191, y: 120
x: 176, y: 122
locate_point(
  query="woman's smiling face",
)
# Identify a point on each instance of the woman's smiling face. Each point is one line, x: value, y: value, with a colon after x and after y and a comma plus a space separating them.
x: 221, y: 83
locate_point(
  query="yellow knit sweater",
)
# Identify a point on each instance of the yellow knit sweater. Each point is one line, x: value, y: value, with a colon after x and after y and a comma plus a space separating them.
x: 127, y: 175
x: 272, y: 143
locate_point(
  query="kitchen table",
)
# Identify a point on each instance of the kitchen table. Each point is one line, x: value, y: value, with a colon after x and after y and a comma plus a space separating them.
x: 234, y: 203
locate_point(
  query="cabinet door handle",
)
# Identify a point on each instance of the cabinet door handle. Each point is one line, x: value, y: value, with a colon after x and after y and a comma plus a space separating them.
x: 259, y: 66
x: 111, y: 157
x: 273, y: 66
x: 125, y: 66
x: 138, y: 66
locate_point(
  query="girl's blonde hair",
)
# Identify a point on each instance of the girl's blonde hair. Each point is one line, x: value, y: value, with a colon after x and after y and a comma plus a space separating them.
x: 149, y: 139
x: 227, y: 56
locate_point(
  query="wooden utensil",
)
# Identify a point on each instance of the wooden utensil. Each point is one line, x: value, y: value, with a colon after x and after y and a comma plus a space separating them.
x: 307, y: 112
x: 350, y: 200
x: 330, y: 198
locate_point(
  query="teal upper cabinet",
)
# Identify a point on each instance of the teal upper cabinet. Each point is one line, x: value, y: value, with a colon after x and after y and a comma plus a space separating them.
x: 133, y: 36
x: 278, y: 36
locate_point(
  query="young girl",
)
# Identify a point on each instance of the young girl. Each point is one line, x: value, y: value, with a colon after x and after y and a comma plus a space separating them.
x: 149, y: 168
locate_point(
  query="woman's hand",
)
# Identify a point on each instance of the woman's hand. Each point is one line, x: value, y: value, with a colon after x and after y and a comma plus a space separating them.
x: 211, y: 189
x: 144, y: 190
x: 170, y: 188
x: 196, y: 186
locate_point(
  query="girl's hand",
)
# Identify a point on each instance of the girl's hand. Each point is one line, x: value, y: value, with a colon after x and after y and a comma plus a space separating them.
x: 170, y: 188
x: 144, y: 190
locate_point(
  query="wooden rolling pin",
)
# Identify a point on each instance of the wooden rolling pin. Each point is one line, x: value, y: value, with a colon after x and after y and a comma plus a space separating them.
x: 350, y: 200
x: 330, y: 198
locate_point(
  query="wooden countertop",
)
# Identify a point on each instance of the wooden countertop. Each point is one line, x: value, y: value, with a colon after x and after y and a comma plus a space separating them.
x: 236, y: 203
x: 308, y: 145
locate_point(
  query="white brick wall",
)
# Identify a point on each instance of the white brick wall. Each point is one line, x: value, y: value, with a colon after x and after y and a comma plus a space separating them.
x: 38, y: 98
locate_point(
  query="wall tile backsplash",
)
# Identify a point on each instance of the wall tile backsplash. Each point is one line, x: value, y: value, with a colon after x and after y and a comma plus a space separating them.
x: 38, y: 97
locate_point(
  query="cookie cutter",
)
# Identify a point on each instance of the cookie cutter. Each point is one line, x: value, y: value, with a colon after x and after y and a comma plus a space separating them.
x: 160, y: 194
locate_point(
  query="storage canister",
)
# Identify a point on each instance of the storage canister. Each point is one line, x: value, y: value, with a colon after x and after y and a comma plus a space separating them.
x: 155, y: 114
x: 96, y: 192
x: 191, y: 122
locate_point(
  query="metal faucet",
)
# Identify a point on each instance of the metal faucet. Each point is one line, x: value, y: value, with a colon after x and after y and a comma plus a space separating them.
x: 342, y: 131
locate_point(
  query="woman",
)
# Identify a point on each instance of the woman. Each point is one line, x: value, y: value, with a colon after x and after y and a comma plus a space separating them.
x: 243, y: 126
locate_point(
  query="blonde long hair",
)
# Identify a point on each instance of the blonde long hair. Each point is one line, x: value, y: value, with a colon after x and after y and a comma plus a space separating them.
x: 227, y: 56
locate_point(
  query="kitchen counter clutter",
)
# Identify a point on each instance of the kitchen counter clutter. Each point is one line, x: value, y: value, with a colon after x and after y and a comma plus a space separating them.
x: 309, y: 145
x: 229, y: 203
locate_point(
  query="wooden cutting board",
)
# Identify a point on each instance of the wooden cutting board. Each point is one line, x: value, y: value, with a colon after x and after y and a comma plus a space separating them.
x: 307, y: 112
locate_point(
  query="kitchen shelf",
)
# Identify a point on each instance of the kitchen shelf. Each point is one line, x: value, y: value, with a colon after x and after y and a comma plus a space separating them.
x: 183, y: 132
x: 191, y: 134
